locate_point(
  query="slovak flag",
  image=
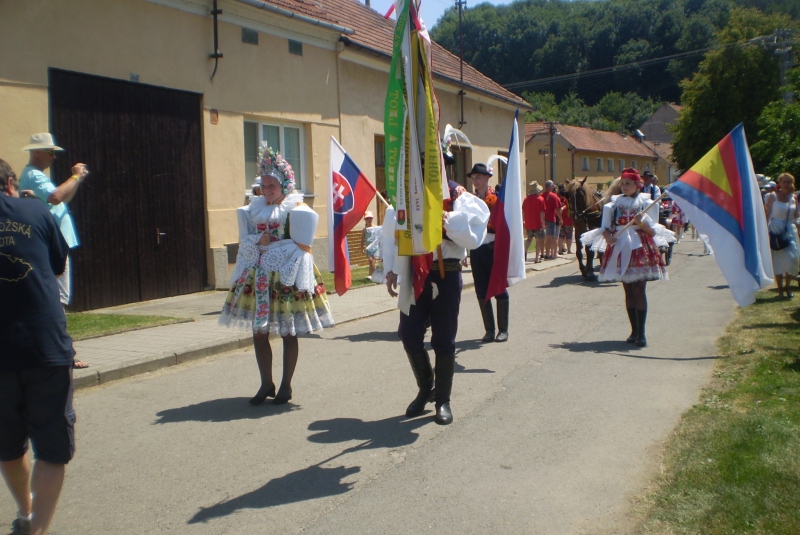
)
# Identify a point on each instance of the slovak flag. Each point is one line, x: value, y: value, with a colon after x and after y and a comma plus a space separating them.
x: 349, y: 195
x: 509, y: 255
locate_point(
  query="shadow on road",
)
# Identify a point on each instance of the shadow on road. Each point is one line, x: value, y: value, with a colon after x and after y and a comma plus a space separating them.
x: 391, y: 432
x: 306, y: 484
x: 374, y: 336
x: 317, y: 481
x: 557, y: 282
x: 221, y: 410
x: 618, y: 347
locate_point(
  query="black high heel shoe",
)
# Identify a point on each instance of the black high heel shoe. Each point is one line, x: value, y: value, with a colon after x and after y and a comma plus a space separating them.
x: 283, y: 397
x: 259, y: 398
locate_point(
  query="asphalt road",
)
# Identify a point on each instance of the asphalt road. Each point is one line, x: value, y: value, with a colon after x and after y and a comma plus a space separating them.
x: 554, y: 432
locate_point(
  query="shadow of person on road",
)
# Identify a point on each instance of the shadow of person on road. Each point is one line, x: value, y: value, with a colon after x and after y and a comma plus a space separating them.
x: 307, y: 484
x: 391, y: 432
x: 375, y: 336
x: 221, y: 410
x: 618, y: 347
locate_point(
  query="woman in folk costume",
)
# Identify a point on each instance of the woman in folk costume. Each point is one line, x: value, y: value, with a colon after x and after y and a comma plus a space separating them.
x: 629, y: 240
x: 430, y: 294
x: 275, y: 287
x: 482, y: 260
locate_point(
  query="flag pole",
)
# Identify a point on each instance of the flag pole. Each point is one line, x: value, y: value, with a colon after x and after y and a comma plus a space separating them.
x: 623, y: 229
x: 378, y: 193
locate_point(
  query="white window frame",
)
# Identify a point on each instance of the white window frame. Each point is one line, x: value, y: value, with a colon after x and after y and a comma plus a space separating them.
x: 648, y: 167
x: 633, y: 164
x: 621, y: 165
x: 611, y: 165
x: 584, y: 163
x: 299, y: 174
x: 599, y: 164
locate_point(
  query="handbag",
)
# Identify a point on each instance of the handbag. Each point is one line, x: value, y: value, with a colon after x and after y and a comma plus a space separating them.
x: 777, y: 241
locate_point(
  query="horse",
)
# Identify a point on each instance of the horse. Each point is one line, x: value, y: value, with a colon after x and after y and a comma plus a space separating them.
x: 587, y: 214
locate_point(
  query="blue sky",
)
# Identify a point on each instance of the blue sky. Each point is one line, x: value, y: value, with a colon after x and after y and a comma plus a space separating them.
x: 431, y: 9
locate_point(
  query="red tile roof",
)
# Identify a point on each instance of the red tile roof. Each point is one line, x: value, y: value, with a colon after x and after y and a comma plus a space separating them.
x: 536, y: 128
x: 375, y: 33
x: 589, y: 140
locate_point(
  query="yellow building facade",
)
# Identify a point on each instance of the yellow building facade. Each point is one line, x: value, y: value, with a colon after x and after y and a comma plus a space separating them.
x: 300, y: 83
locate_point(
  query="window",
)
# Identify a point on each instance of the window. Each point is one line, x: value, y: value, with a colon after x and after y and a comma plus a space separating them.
x: 621, y: 165
x: 286, y: 139
x: 249, y: 36
x: 633, y: 164
x: 295, y: 47
x: 611, y: 165
x: 599, y: 164
x: 648, y: 167
x: 585, y: 163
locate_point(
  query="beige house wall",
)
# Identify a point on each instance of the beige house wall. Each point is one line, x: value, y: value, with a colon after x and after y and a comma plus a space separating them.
x: 538, y: 165
x: 166, y: 43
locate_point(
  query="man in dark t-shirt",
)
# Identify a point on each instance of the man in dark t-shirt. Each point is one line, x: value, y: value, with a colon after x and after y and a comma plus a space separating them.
x: 35, y: 358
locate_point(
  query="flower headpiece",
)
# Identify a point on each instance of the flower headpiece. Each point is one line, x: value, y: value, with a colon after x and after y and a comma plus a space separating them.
x: 271, y: 163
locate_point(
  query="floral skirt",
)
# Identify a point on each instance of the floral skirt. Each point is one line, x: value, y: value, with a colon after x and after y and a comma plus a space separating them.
x: 259, y: 300
x: 646, y: 263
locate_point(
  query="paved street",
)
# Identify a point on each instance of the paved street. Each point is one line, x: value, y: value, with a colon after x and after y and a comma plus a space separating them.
x: 554, y: 431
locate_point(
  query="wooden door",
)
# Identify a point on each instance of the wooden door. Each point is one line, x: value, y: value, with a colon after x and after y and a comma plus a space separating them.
x: 140, y: 213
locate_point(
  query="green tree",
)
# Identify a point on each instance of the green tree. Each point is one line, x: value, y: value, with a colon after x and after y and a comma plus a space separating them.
x: 778, y: 145
x: 733, y: 86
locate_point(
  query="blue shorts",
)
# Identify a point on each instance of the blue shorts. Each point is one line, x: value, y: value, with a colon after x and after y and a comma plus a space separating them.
x: 551, y: 228
x: 36, y: 404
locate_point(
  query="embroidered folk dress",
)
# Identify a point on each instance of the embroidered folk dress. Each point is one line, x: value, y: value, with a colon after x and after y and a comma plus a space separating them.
x: 274, y: 289
x: 635, y: 255
x: 781, y: 222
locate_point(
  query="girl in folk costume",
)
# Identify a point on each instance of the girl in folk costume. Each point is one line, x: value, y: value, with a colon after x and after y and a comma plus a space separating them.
x: 275, y: 288
x: 482, y: 260
x: 781, y: 212
x: 629, y: 239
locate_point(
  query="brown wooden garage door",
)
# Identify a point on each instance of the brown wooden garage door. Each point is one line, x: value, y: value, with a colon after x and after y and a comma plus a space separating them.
x: 140, y: 214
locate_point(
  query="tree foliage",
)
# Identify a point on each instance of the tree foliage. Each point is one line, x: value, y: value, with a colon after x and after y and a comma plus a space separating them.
x: 778, y: 146
x: 535, y: 39
x: 614, y: 112
x: 733, y: 85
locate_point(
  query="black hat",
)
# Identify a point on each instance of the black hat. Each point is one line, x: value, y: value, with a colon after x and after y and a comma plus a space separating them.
x: 480, y: 168
x: 647, y: 173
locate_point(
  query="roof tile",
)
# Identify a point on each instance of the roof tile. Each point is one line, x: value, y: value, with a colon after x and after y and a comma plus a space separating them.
x: 589, y: 140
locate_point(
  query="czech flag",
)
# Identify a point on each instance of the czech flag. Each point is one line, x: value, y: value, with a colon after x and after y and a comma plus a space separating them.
x: 720, y: 196
x: 349, y: 195
x: 509, y: 255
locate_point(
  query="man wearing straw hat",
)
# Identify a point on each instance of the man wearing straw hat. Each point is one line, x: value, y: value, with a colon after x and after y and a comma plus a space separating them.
x: 43, y: 151
x: 533, y: 219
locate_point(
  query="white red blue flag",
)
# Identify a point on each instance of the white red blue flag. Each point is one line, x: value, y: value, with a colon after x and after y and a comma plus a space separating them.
x: 509, y: 255
x: 349, y: 195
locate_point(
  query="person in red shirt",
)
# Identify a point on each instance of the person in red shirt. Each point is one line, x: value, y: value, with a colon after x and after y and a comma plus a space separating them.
x: 552, y: 219
x: 533, y: 219
x: 565, y: 234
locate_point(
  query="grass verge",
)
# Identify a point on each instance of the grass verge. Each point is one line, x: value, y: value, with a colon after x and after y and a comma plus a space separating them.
x: 83, y: 325
x: 733, y: 463
x: 359, y: 275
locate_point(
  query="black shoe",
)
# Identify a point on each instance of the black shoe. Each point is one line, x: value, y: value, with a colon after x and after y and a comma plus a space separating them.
x: 488, y: 337
x: 487, y: 315
x: 502, y: 320
x: 443, y: 414
x: 417, y: 407
x: 259, y: 398
x: 502, y: 336
x: 283, y: 397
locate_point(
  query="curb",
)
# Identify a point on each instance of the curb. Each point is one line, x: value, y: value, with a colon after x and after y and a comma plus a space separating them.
x: 108, y: 374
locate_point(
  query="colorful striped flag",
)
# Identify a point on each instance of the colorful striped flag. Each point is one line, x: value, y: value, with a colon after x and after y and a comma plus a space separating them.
x: 349, y: 195
x: 509, y: 255
x: 720, y: 196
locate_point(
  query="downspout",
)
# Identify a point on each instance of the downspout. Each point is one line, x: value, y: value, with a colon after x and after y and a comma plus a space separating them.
x: 217, y: 54
x: 292, y: 15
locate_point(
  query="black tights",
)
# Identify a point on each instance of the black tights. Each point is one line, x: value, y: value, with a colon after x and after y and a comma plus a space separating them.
x: 635, y: 296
